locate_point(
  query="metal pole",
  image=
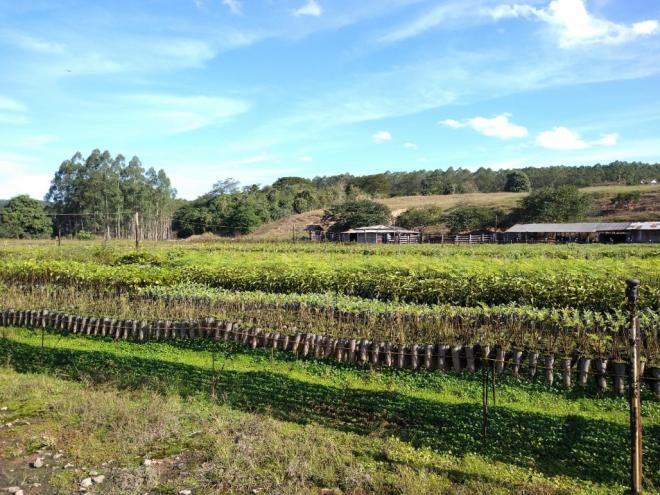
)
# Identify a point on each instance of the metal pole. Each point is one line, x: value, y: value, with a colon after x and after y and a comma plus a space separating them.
x: 634, y: 389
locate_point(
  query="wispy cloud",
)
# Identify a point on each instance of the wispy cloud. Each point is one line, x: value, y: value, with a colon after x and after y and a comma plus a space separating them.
x: 569, y: 19
x: 12, y: 112
x: 175, y: 114
x: 445, y: 13
x: 411, y: 146
x: 382, y: 136
x: 311, y: 8
x: 452, y: 123
x: 11, y: 105
x: 608, y: 139
x: 499, y: 126
x: 38, y: 141
x: 235, y: 6
x: 32, y: 43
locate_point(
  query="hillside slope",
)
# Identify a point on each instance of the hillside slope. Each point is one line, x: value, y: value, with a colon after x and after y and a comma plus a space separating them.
x: 648, y: 208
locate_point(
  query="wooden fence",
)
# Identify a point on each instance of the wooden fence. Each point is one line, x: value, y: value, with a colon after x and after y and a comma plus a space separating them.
x: 459, y: 358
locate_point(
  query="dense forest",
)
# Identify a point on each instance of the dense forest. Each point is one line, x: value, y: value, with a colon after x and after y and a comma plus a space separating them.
x: 103, y: 195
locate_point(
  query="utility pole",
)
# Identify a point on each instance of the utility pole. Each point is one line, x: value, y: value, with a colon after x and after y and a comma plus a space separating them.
x: 136, y: 221
x: 634, y: 392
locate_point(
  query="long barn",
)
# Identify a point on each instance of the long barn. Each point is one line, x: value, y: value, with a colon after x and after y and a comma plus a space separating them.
x: 615, y: 232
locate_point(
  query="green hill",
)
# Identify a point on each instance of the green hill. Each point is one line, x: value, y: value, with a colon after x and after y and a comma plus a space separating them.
x: 647, y: 208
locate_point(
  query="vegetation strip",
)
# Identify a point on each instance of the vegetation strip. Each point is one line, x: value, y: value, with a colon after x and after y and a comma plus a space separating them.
x: 432, y: 410
x: 226, y: 450
x: 385, y: 354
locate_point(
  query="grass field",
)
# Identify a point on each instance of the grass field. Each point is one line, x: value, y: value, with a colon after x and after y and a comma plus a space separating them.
x: 270, y: 423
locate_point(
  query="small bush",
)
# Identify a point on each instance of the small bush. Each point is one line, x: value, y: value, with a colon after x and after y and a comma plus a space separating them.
x: 84, y: 235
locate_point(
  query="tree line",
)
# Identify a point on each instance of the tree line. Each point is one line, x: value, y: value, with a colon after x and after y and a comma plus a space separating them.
x: 99, y: 196
x: 548, y: 204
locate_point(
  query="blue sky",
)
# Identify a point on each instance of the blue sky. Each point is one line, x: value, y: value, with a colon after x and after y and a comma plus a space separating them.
x: 208, y: 89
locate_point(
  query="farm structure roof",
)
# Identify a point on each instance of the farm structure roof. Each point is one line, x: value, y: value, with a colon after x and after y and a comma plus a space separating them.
x: 380, y: 229
x: 644, y: 226
x: 581, y: 228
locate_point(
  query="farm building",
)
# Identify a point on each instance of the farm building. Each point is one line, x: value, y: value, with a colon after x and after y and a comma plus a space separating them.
x: 316, y: 232
x: 584, y: 232
x: 381, y: 234
x: 644, y: 231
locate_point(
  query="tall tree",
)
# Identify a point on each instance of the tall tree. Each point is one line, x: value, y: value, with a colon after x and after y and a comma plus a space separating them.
x: 418, y: 218
x: 517, y: 181
x: 553, y: 204
x: 25, y: 218
x: 101, y: 193
x: 359, y: 213
x: 463, y: 218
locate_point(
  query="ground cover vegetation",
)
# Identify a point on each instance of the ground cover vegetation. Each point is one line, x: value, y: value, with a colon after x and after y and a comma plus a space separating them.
x: 221, y: 411
x: 454, y: 279
x: 411, y: 431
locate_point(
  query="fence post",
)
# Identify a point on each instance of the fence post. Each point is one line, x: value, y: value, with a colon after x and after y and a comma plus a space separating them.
x: 634, y: 396
x: 137, y: 231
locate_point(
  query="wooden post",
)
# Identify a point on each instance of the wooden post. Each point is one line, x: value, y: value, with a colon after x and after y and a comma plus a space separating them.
x: 137, y: 230
x: 634, y: 396
x: 59, y: 236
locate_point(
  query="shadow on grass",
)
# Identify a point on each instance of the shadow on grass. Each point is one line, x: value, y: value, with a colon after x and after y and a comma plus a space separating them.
x: 571, y: 445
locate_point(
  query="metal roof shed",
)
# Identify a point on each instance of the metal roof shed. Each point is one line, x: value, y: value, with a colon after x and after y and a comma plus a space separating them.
x: 381, y: 234
x: 645, y: 231
x: 566, y: 228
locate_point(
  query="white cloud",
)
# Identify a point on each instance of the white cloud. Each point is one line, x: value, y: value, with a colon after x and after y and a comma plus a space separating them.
x: 17, y: 180
x: 194, y: 52
x: 608, y: 140
x: 33, y: 44
x: 570, y: 19
x: 454, y: 124
x: 574, y: 24
x: 38, y: 141
x: 499, y: 126
x: 34, y: 185
x: 411, y: 146
x: 13, y: 119
x: 382, y: 136
x: 177, y: 114
x: 449, y: 11
x: 255, y: 169
x: 646, y: 27
x: 306, y: 158
x: 311, y: 8
x: 561, y: 138
x: 11, y: 105
x: 235, y: 6
x: 12, y: 112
